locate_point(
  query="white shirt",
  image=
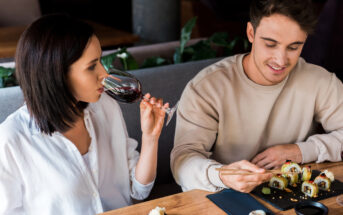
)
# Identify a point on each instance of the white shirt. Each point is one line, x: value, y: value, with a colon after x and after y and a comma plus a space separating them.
x: 42, y: 174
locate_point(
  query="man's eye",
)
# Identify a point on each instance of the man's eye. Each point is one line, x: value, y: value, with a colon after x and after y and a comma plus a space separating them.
x: 270, y: 45
x: 293, y: 48
x: 92, y: 67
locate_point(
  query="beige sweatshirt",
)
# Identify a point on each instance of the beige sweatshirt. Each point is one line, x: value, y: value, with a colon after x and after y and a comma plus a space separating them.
x: 225, y: 117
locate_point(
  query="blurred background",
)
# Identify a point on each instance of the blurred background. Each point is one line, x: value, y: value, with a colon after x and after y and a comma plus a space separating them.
x: 140, y: 22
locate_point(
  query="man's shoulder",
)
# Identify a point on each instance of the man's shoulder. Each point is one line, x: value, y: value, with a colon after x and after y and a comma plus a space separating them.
x: 310, y: 77
x: 222, y: 69
x: 311, y: 71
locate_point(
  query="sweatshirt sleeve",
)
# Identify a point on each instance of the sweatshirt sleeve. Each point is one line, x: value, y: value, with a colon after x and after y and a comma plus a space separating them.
x: 196, y: 131
x: 328, y: 112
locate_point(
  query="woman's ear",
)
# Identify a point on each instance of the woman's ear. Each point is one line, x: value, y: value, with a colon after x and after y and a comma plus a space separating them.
x: 250, y: 32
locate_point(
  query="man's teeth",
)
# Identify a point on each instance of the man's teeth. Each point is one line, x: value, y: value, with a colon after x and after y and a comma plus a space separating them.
x: 276, y: 68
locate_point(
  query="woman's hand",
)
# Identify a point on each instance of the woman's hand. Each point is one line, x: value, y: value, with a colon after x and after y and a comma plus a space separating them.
x: 152, y: 118
x: 152, y: 115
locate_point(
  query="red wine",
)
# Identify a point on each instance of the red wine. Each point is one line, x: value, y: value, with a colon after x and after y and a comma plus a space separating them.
x: 125, y: 94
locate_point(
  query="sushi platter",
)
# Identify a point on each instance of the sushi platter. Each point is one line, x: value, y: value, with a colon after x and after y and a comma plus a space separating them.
x: 287, y: 190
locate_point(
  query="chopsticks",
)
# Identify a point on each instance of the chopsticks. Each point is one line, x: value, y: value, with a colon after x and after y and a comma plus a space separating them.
x: 247, y: 172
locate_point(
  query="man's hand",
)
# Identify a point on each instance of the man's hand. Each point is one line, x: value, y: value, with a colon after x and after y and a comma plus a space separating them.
x: 244, y: 183
x: 275, y: 156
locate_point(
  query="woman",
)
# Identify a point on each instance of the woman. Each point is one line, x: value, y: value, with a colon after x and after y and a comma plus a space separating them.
x: 67, y: 151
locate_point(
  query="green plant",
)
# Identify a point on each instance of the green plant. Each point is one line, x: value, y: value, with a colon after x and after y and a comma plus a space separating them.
x: 7, y: 78
x: 203, y: 49
x: 126, y: 59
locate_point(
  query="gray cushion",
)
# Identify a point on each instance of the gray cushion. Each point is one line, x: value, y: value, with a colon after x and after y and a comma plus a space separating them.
x: 11, y: 98
x: 165, y: 82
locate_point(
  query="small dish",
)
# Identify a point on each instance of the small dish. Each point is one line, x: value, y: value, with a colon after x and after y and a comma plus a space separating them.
x: 311, y: 208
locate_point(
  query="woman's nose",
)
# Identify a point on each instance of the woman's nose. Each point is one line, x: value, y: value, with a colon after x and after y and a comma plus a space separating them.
x: 102, y: 73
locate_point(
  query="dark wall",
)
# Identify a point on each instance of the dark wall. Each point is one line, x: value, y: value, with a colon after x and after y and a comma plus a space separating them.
x: 110, y: 12
x: 325, y: 46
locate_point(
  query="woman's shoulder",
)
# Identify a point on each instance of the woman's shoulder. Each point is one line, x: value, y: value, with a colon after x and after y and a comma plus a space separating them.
x: 15, y: 126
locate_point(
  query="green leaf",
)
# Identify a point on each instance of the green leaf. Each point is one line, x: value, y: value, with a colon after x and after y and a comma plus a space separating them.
x: 7, y: 77
x: 219, y: 39
x: 154, y: 61
x: 246, y: 44
x: 177, y: 57
x: 107, y: 60
x: 186, y: 33
x: 229, y: 50
x: 6, y: 72
x: 128, y: 63
x: 202, y: 50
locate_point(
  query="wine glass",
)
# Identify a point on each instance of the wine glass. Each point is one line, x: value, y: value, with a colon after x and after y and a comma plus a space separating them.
x: 124, y: 87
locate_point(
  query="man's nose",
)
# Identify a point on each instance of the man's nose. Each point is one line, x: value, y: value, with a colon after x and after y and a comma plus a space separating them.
x: 281, y: 58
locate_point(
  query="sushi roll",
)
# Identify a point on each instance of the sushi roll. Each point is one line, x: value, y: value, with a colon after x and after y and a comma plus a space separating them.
x: 309, y: 188
x: 306, y: 173
x: 278, y: 182
x: 290, y: 166
x: 158, y: 211
x: 293, y: 178
x: 329, y: 175
x: 323, y: 182
x: 257, y: 212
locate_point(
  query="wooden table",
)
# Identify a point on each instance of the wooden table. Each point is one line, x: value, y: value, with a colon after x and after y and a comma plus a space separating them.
x: 195, y: 201
x: 108, y: 36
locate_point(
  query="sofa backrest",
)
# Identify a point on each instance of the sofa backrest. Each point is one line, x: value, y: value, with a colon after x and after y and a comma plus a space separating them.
x: 165, y: 82
x: 11, y: 98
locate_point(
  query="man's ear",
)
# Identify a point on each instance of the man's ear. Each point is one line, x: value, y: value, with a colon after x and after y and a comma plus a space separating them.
x: 250, y: 32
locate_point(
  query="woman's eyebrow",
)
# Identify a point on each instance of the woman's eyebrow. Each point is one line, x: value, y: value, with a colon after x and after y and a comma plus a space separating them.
x: 93, y: 61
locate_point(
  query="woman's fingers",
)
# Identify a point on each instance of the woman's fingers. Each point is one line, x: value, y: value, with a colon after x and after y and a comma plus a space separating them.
x: 147, y: 96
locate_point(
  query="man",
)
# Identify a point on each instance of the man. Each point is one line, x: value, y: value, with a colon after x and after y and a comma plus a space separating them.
x: 254, y: 111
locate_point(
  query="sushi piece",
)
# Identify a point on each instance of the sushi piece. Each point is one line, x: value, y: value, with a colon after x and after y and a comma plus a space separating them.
x: 278, y: 182
x: 309, y: 188
x: 157, y: 211
x: 257, y: 212
x: 290, y: 166
x: 323, y: 182
x: 306, y: 173
x: 293, y: 178
x: 329, y: 175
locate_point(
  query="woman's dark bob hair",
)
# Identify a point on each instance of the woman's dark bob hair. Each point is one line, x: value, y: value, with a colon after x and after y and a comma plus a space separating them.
x: 45, y: 52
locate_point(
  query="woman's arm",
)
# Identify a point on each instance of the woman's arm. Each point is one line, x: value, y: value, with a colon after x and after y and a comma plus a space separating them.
x: 152, y: 118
